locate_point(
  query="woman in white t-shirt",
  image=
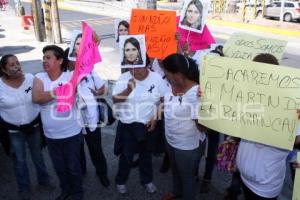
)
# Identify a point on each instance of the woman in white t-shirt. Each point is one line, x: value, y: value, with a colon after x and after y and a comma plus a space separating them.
x: 185, y: 137
x: 19, y: 116
x: 262, y: 168
x: 62, y: 129
x: 136, y: 96
x: 89, y: 89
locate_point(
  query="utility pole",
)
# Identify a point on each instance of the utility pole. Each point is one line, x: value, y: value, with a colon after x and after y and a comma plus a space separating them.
x: 48, y: 23
x: 281, y: 10
x: 55, y: 22
x: 38, y: 26
x: 147, y: 4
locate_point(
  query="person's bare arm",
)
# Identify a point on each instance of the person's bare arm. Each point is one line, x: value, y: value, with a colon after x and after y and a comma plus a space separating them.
x: 123, y: 95
x: 39, y: 96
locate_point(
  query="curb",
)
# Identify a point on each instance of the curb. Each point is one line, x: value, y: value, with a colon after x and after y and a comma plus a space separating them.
x: 254, y: 27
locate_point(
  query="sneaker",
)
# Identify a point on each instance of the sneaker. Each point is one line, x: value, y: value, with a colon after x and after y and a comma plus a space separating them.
x: 150, y: 188
x: 122, y: 189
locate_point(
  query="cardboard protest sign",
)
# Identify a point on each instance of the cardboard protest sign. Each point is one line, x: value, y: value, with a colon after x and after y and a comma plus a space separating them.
x: 159, y: 28
x: 296, y: 191
x: 247, y: 46
x: 196, y: 41
x: 250, y: 100
x: 87, y: 56
x: 132, y: 50
x: 193, y: 15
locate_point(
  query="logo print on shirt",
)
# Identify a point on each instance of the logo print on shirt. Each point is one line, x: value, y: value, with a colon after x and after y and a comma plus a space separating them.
x: 171, y: 97
x: 151, y: 88
x: 28, y: 89
x: 180, y: 100
x: 60, y: 84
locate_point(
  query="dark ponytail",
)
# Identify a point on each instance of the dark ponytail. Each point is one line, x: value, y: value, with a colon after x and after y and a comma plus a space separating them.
x: 178, y: 63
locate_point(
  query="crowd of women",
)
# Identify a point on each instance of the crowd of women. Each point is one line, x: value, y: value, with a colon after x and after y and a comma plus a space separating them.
x: 160, y: 98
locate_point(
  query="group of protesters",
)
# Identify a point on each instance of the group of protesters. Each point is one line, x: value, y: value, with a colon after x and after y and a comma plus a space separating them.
x: 161, y: 98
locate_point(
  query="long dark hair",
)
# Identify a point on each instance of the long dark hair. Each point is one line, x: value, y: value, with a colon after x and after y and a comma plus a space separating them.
x: 136, y: 44
x: 3, y: 63
x: 199, y: 7
x: 178, y: 63
x: 124, y: 23
x: 73, y: 53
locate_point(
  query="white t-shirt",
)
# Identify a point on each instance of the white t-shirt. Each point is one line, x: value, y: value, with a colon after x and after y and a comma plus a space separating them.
x: 89, y: 106
x: 180, y: 112
x: 58, y: 125
x: 140, y: 105
x: 262, y: 167
x: 16, y: 106
x: 156, y: 68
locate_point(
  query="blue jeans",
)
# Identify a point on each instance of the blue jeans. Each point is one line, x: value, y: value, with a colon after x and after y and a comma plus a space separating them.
x: 18, y: 145
x: 65, y: 156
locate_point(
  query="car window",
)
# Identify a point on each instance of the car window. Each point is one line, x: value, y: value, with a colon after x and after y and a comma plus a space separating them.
x: 288, y: 5
x: 277, y: 4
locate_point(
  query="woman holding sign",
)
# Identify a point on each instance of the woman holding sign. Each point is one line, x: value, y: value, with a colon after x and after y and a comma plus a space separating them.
x: 262, y: 168
x: 185, y: 137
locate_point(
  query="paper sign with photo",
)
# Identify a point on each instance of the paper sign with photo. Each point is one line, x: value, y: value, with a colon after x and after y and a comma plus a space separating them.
x: 76, y: 36
x: 132, y: 50
x: 121, y: 28
x: 193, y: 15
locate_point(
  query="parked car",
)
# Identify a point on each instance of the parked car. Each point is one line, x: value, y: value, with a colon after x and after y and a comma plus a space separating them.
x: 291, y: 10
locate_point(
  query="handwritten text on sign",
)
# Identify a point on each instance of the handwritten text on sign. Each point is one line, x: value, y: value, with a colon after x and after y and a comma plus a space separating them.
x: 250, y: 100
x: 159, y: 28
x: 246, y: 46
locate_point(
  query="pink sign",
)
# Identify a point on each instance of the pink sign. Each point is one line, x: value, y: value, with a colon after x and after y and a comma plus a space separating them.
x: 196, y: 41
x: 88, y: 55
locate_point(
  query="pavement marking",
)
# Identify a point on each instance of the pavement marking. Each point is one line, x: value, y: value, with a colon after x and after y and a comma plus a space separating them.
x: 99, y: 21
x: 279, y: 31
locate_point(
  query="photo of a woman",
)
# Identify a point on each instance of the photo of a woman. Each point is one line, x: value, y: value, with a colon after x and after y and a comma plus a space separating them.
x: 133, y: 50
x: 193, y: 15
x: 122, y: 29
x: 75, y: 44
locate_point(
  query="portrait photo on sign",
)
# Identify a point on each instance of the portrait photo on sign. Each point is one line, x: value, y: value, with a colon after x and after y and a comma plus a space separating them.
x: 75, y: 44
x: 193, y: 15
x: 132, y: 51
x: 121, y: 28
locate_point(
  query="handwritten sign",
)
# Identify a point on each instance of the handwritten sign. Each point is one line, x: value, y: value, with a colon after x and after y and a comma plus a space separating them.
x: 88, y: 55
x: 250, y: 100
x: 159, y: 28
x: 246, y: 46
x: 196, y: 41
x: 296, y: 191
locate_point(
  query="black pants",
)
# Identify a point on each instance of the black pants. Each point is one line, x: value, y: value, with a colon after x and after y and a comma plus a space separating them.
x: 93, y: 141
x: 249, y: 195
x: 133, y: 138
x: 213, y: 138
x: 65, y: 156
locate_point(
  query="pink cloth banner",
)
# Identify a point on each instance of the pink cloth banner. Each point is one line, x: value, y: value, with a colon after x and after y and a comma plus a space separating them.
x: 88, y: 55
x: 196, y: 41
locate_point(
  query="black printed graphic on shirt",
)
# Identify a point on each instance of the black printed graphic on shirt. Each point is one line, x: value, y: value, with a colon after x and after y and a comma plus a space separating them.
x: 28, y: 89
x: 151, y: 88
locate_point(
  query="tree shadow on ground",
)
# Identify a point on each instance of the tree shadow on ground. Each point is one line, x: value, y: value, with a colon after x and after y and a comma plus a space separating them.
x: 15, y: 49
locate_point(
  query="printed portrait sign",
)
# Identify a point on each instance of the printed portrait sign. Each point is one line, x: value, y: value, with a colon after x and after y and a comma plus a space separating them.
x: 132, y: 50
x: 121, y: 28
x: 193, y: 15
x: 76, y: 38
